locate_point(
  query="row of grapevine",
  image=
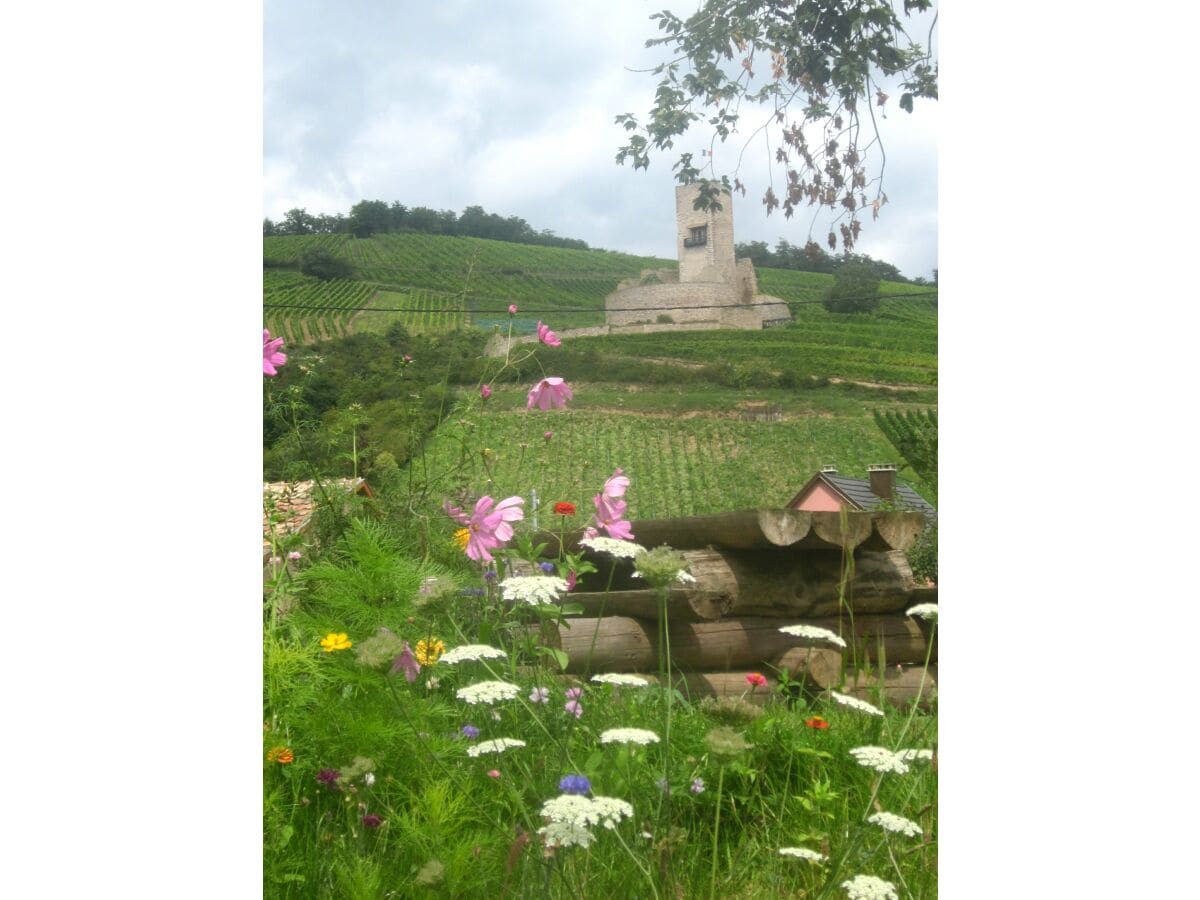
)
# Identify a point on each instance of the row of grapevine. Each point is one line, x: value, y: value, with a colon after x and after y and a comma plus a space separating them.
x: 678, y: 467
x: 297, y: 307
x: 914, y: 434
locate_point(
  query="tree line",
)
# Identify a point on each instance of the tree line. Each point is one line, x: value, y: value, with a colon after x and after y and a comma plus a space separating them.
x: 813, y: 258
x: 369, y: 217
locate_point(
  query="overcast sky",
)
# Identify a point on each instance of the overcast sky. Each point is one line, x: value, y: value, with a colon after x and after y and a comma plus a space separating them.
x: 511, y: 106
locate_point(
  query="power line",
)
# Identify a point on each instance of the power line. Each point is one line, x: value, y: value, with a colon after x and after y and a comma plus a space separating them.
x: 592, y: 309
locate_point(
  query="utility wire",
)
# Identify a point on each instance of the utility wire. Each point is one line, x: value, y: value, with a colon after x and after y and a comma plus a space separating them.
x: 591, y: 309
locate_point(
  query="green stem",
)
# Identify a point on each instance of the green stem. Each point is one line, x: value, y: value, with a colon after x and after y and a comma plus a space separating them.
x: 712, y: 877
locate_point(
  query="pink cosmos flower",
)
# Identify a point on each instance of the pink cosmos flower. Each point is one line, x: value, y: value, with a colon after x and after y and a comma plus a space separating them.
x: 493, y: 773
x: 549, y: 393
x: 574, y: 693
x: 610, y: 516
x: 485, y: 391
x: 616, y: 485
x: 547, y: 337
x: 512, y: 309
x: 271, y: 355
x: 407, y: 663
x: 488, y: 524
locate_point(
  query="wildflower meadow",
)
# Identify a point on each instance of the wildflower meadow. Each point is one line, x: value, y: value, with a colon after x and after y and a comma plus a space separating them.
x: 420, y: 737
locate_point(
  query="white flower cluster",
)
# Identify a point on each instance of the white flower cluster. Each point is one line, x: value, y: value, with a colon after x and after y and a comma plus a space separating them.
x: 682, y: 576
x: 621, y: 680
x: 628, y: 736
x: 566, y: 834
x: 892, y: 822
x: 924, y: 611
x: 574, y: 809
x: 803, y: 853
x: 881, y: 759
x: 614, y: 547
x: 813, y: 633
x: 536, y: 590
x: 910, y: 755
x: 471, y: 653
x: 499, y: 745
x: 868, y: 887
x: 855, y: 703
x: 487, y: 692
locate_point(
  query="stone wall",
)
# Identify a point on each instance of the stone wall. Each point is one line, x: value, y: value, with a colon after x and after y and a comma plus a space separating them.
x: 646, y: 303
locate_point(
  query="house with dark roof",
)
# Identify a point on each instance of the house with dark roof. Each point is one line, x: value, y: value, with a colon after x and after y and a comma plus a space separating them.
x: 827, y: 491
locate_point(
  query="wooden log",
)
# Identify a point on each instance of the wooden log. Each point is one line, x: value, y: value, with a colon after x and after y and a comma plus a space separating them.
x: 894, y: 530
x: 899, y: 685
x: 695, y: 685
x: 625, y: 644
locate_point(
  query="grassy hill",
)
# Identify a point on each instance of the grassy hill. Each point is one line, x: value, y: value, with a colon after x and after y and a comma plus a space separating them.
x: 703, y: 421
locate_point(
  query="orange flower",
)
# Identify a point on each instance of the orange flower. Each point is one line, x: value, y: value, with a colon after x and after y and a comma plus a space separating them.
x: 564, y: 509
x: 281, y: 755
x: 755, y: 679
x: 816, y: 722
x: 335, y: 641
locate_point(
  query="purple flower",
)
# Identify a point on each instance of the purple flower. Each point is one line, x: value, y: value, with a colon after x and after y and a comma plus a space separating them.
x: 485, y: 391
x: 539, y: 695
x: 549, y: 393
x: 490, y: 574
x: 574, y: 693
x: 574, y: 707
x: 328, y: 776
x: 546, y: 567
x: 271, y: 355
x: 697, y: 786
x: 371, y: 821
x: 575, y: 784
x: 547, y: 337
x: 407, y: 662
x: 294, y: 555
x: 470, y: 732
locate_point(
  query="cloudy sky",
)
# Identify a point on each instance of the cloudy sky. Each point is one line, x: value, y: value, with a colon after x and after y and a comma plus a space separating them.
x: 511, y: 106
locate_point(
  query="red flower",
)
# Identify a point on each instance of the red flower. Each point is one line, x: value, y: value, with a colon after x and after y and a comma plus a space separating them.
x: 756, y: 679
x: 816, y: 722
x: 564, y: 509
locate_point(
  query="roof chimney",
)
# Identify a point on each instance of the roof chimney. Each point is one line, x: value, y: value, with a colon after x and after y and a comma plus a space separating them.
x: 883, y: 480
x: 829, y: 469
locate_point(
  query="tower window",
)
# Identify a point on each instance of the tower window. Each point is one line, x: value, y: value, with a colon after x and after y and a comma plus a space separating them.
x: 697, y: 237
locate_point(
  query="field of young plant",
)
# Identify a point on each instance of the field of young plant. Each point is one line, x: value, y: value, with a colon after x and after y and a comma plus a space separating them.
x: 485, y: 275
x: 309, y: 322
x: 683, y: 467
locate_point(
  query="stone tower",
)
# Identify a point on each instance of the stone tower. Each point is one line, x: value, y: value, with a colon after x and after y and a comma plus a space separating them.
x: 704, y: 239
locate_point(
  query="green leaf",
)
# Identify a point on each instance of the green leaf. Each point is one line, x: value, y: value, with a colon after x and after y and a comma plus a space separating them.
x: 557, y: 655
x: 572, y: 609
x: 906, y: 102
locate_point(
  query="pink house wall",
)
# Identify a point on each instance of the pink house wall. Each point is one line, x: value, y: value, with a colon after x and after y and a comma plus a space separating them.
x: 819, y: 499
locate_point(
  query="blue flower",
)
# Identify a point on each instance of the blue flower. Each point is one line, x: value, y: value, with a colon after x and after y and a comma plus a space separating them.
x: 575, y: 784
x: 470, y: 731
x: 546, y: 567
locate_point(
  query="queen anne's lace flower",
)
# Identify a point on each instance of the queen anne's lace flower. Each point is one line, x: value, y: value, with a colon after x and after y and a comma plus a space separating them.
x: 802, y: 853
x: 855, y: 703
x: 611, y: 810
x: 488, y: 692
x: 536, y: 590
x: 581, y: 811
x: 868, y: 887
x: 620, y: 679
x: 881, y: 759
x: 924, y: 611
x: 892, y: 822
x: 472, y: 653
x: 499, y: 745
x: 613, y: 547
x: 566, y: 834
x: 813, y: 633
x: 628, y: 736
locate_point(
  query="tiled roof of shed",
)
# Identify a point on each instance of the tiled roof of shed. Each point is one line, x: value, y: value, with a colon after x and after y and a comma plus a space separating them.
x: 860, y: 493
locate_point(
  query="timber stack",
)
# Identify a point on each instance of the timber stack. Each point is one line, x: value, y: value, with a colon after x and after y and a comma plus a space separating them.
x: 756, y: 571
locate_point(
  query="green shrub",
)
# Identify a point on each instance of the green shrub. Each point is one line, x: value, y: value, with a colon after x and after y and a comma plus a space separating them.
x: 855, y: 289
x: 323, y: 264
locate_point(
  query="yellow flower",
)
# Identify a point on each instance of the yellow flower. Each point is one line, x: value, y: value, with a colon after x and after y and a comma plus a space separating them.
x: 461, y: 537
x: 428, y: 652
x: 332, y: 642
x: 281, y: 755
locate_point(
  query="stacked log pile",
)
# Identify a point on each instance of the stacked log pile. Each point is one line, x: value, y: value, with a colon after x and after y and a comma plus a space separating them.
x: 755, y: 571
